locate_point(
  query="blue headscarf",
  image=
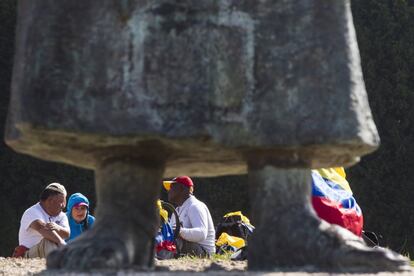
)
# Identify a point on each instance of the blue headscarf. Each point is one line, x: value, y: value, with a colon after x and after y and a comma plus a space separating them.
x: 77, y: 228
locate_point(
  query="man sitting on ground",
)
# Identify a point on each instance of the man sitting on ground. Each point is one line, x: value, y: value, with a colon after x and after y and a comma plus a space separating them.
x: 44, y: 226
x: 197, y: 232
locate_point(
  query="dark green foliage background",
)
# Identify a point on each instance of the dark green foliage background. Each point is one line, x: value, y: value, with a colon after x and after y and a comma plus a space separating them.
x: 382, y: 181
x: 22, y: 178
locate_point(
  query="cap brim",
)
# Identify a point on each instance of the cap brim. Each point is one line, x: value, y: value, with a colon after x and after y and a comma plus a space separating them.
x: 167, y: 184
x: 81, y: 204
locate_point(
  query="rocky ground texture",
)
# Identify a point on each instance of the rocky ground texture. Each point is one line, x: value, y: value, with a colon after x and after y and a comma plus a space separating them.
x: 182, y: 266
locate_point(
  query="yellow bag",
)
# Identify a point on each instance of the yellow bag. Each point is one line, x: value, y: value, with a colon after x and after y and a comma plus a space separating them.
x: 230, y: 240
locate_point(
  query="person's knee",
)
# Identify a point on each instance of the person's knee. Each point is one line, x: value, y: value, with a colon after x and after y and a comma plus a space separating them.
x: 49, y: 246
x: 42, y: 249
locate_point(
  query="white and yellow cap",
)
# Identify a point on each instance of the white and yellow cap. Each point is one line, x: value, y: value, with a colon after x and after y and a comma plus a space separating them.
x: 184, y: 180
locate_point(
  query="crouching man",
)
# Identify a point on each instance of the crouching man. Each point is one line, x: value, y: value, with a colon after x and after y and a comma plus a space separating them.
x: 197, y: 232
x: 44, y: 226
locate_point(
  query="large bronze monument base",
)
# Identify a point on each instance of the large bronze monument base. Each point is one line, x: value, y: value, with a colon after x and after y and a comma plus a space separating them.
x: 140, y: 90
x: 290, y: 235
x: 123, y: 234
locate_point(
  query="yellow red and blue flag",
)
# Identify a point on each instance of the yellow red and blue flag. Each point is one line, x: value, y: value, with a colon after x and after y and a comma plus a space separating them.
x: 333, y: 200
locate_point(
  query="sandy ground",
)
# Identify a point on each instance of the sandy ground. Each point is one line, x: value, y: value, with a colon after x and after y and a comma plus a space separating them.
x: 19, y: 266
x: 184, y: 266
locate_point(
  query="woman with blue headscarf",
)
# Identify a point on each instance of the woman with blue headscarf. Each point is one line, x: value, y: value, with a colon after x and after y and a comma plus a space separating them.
x: 78, y: 215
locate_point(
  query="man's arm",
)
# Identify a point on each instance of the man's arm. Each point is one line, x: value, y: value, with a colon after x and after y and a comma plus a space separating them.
x: 199, y: 221
x: 47, y: 233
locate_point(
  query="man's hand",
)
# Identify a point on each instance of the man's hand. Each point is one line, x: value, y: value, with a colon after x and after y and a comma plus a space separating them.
x: 64, y: 233
x: 53, y: 226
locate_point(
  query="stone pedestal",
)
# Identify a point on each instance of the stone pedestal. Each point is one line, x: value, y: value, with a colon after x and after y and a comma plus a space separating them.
x: 130, y: 88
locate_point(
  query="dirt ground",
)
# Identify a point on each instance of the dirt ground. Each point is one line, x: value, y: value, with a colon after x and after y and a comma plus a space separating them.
x: 183, y: 266
x: 18, y: 266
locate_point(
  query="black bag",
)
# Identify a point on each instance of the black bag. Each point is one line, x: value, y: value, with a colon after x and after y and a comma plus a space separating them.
x: 234, y: 226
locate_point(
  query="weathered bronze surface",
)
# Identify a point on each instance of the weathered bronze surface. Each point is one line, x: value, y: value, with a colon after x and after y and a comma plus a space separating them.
x: 138, y: 90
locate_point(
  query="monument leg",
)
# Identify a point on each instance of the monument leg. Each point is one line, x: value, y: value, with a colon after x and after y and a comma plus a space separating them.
x: 126, y: 219
x: 289, y: 234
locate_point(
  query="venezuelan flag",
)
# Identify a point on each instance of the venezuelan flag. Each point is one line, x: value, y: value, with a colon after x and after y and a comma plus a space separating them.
x: 333, y: 200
